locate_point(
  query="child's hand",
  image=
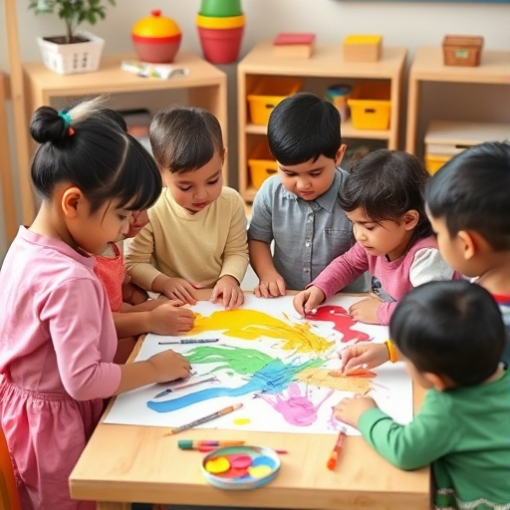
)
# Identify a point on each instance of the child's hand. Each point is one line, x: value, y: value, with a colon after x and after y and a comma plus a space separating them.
x: 308, y: 299
x: 269, y: 286
x: 177, y: 288
x: 349, y: 410
x: 168, y: 366
x: 364, y: 355
x: 366, y: 310
x: 169, y: 319
x: 133, y: 294
x: 228, y: 288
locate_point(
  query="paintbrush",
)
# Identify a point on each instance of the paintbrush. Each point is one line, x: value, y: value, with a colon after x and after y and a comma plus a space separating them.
x: 205, y: 419
x: 333, y: 456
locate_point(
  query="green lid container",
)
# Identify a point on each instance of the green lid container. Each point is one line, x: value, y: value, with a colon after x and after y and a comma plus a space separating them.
x: 221, y: 8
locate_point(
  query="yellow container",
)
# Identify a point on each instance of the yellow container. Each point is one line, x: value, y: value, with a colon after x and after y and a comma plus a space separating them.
x: 220, y: 23
x: 261, y: 164
x: 270, y: 91
x: 370, y: 105
x: 433, y: 162
x: 362, y: 48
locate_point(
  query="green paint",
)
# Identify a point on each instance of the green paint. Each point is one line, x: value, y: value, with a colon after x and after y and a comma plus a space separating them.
x: 241, y: 361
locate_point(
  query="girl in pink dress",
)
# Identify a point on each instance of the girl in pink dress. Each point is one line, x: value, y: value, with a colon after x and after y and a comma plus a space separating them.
x: 383, y: 199
x: 57, y: 337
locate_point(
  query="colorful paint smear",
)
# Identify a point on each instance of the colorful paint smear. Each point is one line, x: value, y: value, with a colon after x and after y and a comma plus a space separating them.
x: 271, y: 378
x: 357, y: 381
x: 342, y: 321
x: 251, y: 325
x: 242, y: 361
x: 296, y: 408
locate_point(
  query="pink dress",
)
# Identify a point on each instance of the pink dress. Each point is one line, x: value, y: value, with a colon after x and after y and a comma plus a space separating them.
x: 57, y: 341
x: 111, y: 272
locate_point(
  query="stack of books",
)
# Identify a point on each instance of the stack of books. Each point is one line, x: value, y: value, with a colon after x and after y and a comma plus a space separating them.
x: 294, y: 45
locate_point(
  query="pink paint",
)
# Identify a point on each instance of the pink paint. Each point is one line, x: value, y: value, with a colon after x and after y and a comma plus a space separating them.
x: 296, y: 409
x: 343, y: 322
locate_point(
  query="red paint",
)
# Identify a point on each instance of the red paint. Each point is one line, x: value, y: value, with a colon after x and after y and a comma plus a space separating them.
x: 342, y: 320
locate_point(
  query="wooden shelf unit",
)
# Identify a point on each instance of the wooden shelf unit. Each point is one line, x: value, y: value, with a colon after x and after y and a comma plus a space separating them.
x: 428, y: 67
x: 325, y: 64
x: 205, y: 84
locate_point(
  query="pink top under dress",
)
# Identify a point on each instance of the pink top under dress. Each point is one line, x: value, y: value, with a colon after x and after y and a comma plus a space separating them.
x: 391, y: 279
x: 57, y: 342
x: 112, y: 272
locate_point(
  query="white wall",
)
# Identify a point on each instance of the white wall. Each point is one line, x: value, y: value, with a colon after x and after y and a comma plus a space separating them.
x: 401, y: 24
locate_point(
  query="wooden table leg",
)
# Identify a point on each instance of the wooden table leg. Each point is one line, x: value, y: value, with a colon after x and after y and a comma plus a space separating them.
x: 113, y: 506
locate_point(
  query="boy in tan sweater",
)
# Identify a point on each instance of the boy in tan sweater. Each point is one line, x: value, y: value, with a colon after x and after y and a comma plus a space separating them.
x: 196, y: 237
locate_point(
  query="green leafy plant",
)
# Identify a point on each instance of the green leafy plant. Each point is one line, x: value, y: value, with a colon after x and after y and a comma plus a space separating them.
x: 73, y: 12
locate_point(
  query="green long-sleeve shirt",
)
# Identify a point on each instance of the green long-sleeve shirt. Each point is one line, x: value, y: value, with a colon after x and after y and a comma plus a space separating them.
x: 464, y: 433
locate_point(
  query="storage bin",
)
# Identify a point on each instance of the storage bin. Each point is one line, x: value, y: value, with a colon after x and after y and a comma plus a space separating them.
x: 433, y: 162
x: 261, y: 164
x: 459, y: 50
x: 270, y: 91
x: 370, y: 105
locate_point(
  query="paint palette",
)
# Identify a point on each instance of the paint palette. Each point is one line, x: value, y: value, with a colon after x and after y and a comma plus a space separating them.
x: 240, y: 468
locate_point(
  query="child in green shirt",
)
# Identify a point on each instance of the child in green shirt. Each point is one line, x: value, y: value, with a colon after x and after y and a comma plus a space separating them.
x: 451, y: 336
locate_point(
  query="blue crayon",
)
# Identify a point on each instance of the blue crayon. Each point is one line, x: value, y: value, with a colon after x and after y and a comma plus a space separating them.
x: 190, y: 341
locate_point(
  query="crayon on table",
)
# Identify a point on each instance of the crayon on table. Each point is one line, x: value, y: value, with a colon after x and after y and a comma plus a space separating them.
x: 188, y: 444
x: 184, y: 341
x: 333, y: 456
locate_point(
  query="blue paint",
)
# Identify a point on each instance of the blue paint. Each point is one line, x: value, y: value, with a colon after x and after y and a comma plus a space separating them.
x: 271, y: 378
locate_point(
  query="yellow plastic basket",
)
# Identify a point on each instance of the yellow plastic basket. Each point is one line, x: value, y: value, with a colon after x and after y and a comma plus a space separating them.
x: 261, y: 164
x: 370, y: 105
x: 433, y: 162
x: 270, y: 91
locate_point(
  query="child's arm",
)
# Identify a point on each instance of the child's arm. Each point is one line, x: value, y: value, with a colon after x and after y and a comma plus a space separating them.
x: 143, y: 273
x: 165, y: 319
x: 431, y: 435
x: 235, y: 260
x: 271, y: 284
x: 342, y: 271
x: 133, y: 294
x: 260, y: 236
x: 72, y: 313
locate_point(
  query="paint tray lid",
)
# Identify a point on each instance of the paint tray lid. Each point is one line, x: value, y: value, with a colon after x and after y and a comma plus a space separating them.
x: 240, y: 468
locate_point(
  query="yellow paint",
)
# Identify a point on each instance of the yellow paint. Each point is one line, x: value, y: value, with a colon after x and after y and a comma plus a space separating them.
x: 216, y: 466
x: 242, y: 421
x: 324, y: 378
x: 259, y: 471
x: 251, y: 325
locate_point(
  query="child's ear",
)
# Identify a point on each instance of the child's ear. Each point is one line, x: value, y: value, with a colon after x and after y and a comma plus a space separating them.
x: 223, y: 155
x: 470, y: 243
x: 340, y: 154
x: 437, y: 382
x: 72, y: 198
x: 411, y: 219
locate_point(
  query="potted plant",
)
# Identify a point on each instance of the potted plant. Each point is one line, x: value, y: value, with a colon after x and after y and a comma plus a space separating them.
x: 74, y: 52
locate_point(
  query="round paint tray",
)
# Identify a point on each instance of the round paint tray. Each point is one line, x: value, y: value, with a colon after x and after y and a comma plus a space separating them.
x: 238, y: 468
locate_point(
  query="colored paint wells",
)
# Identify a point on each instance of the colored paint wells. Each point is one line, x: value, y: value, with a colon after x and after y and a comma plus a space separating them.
x: 240, y: 467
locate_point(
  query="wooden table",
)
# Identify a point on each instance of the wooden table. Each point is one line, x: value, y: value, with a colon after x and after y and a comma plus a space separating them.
x: 205, y: 84
x: 122, y: 464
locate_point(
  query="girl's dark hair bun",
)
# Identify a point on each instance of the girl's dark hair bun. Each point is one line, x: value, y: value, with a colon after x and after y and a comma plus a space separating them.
x: 48, y: 126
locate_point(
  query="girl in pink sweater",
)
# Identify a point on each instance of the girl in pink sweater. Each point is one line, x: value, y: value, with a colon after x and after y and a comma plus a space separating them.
x: 394, y: 241
x: 57, y: 337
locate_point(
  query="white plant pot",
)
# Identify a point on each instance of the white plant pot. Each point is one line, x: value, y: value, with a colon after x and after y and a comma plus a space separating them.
x: 72, y: 58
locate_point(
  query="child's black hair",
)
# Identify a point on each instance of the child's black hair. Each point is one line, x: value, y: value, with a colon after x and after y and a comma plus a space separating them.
x: 185, y: 138
x: 453, y: 329
x: 387, y: 184
x: 472, y: 192
x: 303, y: 127
x: 87, y: 146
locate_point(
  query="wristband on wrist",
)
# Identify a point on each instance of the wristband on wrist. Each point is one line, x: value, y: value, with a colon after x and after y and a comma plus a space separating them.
x: 392, y: 351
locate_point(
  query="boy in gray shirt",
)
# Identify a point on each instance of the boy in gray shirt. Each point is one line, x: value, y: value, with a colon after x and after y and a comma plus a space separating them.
x: 298, y: 209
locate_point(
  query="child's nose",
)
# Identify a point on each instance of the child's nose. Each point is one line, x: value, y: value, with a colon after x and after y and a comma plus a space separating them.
x: 303, y: 184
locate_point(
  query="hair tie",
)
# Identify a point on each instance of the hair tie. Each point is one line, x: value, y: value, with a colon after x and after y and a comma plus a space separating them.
x: 66, y: 117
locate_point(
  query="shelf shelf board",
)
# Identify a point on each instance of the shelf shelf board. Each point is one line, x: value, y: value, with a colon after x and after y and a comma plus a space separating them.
x: 348, y: 131
x: 465, y: 133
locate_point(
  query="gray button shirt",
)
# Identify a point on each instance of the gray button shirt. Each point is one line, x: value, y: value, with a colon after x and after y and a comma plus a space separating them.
x: 307, y: 235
